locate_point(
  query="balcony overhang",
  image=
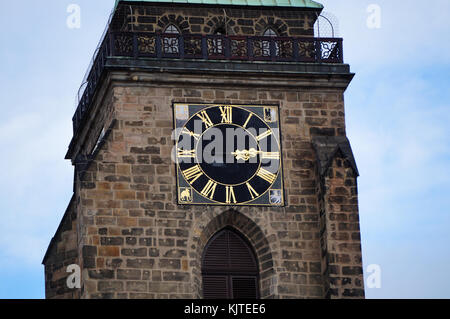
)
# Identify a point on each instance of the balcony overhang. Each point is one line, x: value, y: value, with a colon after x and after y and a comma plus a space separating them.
x: 211, y: 74
x: 306, y: 60
x: 228, y: 68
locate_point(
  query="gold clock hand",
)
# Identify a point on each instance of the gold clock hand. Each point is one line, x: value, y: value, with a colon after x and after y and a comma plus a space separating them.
x: 246, y: 154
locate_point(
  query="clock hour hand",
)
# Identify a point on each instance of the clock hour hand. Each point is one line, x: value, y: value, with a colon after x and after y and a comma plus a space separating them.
x: 245, y: 155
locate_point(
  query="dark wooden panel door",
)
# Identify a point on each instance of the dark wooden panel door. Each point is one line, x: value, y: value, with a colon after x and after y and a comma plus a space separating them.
x: 229, y: 268
x: 215, y: 287
x: 244, y: 287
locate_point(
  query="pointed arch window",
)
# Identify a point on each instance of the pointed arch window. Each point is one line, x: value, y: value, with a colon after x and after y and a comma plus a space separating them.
x: 170, y: 41
x: 229, y: 267
x: 171, y: 29
x: 270, y: 33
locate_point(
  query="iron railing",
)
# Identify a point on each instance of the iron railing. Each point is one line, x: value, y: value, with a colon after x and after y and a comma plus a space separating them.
x: 207, y: 47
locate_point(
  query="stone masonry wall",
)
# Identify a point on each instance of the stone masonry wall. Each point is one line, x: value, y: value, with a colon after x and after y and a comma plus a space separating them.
x: 63, y: 253
x: 140, y: 244
x: 207, y: 20
x: 341, y: 231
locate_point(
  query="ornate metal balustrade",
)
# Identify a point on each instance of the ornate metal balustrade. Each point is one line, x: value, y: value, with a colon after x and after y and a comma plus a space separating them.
x: 213, y: 47
x: 207, y: 47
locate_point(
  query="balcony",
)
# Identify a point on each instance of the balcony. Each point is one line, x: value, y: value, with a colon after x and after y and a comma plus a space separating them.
x: 188, y: 47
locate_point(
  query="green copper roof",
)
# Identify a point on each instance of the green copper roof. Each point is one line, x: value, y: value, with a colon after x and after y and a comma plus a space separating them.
x: 267, y: 3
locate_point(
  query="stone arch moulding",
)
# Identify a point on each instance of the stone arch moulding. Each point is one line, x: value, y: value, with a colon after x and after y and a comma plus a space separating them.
x: 179, y: 22
x: 219, y: 22
x: 276, y: 25
x: 252, y: 233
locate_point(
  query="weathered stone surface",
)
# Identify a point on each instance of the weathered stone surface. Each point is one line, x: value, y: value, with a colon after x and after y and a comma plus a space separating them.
x: 128, y: 274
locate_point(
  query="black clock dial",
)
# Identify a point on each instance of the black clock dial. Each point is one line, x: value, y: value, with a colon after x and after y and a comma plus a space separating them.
x: 223, y: 166
x: 228, y: 154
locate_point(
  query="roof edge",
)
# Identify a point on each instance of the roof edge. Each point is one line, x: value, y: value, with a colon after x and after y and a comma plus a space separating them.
x: 328, y: 147
x: 305, y: 4
x: 61, y: 223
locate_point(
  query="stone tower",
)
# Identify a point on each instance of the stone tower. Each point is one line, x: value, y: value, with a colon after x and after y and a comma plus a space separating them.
x: 141, y: 225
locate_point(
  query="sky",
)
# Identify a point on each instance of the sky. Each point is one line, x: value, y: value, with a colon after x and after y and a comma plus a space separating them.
x: 397, y: 115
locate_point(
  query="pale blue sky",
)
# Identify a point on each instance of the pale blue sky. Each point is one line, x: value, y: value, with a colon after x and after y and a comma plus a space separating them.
x: 397, y: 110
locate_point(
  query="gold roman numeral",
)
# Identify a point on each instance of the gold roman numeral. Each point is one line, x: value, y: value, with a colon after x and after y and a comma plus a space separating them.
x: 186, y: 131
x: 227, y: 114
x: 209, y: 189
x: 252, y: 191
x: 205, y: 118
x: 248, y: 120
x: 230, y: 195
x: 271, y: 155
x: 186, y: 153
x: 193, y: 173
x: 264, y: 135
x: 267, y: 176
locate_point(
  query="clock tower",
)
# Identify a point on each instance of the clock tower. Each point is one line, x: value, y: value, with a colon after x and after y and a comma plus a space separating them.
x: 211, y: 158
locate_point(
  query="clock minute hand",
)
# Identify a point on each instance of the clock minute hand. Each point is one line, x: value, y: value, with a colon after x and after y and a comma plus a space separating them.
x: 245, y: 154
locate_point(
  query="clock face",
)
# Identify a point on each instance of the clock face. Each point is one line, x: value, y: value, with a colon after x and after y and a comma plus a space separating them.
x: 228, y: 155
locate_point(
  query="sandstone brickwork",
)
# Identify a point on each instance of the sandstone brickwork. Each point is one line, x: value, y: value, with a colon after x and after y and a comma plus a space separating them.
x: 342, y: 230
x: 63, y: 251
x: 135, y: 242
x: 208, y: 20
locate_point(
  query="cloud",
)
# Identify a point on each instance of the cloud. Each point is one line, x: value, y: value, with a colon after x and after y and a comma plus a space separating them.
x: 405, y: 275
x: 398, y: 125
x: 38, y: 90
x: 35, y: 143
x: 401, y: 144
x: 37, y: 182
x: 411, y: 32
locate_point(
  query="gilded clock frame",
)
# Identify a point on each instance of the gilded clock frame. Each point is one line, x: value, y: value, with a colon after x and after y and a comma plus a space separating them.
x: 207, y: 201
